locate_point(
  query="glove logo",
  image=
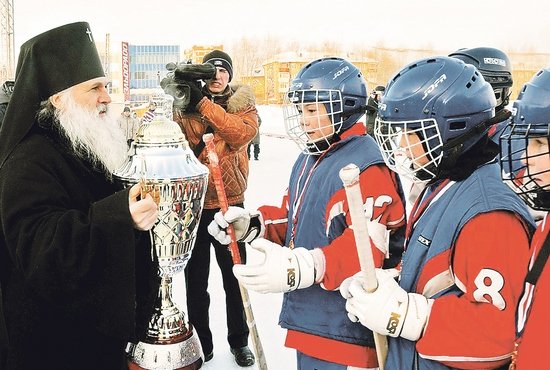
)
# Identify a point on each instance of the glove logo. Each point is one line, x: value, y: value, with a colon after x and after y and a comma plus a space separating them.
x: 290, y: 278
x: 393, y: 322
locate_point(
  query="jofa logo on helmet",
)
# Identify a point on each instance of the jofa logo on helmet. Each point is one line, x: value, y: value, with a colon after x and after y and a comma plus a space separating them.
x: 495, y: 61
x: 382, y: 106
x: 340, y: 72
x: 432, y: 87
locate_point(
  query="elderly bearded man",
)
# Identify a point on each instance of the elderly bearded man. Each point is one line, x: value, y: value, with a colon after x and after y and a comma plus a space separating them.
x: 76, y: 272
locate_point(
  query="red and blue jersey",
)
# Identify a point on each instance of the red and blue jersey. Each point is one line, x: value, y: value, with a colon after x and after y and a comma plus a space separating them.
x: 315, y: 214
x: 467, y: 249
x: 532, y: 313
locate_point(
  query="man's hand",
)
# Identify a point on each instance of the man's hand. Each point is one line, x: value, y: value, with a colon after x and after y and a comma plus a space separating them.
x: 144, y: 212
x: 183, y: 83
x: 282, y: 270
x: 247, y: 225
x: 389, y: 310
x: 195, y: 96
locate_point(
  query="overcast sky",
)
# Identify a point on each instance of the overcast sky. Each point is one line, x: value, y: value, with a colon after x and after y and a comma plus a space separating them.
x: 441, y: 24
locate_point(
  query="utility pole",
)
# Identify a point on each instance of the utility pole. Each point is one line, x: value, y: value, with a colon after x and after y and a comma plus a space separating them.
x: 7, y: 56
x: 107, y: 58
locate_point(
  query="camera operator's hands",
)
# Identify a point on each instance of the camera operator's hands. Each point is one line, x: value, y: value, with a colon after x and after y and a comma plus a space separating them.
x: 183, y: 83
x: 195, y: 95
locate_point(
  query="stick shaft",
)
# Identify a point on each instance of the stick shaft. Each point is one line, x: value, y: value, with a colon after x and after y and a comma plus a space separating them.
x: 350, y: 178
x: 234, y: 249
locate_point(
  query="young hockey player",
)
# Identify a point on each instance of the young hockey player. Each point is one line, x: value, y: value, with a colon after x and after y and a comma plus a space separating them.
x: 309, y: 247
x: 460, y: 281
x: 530, y: 125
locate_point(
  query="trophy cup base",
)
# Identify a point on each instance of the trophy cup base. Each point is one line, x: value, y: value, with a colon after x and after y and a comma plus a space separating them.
x: 184, y: 353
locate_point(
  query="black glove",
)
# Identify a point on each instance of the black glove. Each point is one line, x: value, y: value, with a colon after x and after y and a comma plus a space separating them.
x: 195, y: 95
x: 182, y: 83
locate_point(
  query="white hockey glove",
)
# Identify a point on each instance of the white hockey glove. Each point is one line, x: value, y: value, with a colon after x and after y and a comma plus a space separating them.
x: 248, y: 225
x: 389, y: 310
x: 282, y: 270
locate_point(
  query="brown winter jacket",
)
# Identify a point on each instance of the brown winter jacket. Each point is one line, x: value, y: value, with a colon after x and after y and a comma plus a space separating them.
x: 234, y: 120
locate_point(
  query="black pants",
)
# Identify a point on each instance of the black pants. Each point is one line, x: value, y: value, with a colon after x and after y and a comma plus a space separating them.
x: 198, y: 298
x: 256, y: 150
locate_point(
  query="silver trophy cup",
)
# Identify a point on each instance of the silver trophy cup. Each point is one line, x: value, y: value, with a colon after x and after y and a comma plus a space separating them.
x: 161, y: 161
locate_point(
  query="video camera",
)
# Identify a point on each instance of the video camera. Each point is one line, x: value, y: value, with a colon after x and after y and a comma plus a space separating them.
x: 180, y: 76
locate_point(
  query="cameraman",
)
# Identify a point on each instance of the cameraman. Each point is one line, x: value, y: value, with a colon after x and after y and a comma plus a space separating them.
x: 230, y: 114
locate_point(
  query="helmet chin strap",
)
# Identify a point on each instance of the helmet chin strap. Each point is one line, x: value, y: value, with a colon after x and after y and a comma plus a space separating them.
x: 455, y: 143
x: 359, y: 109
x: 453, y: 149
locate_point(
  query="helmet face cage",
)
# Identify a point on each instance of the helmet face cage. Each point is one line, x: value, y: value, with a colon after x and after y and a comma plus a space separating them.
x: 516, y: 159
x: 411, y: 148
x: 296, y: 102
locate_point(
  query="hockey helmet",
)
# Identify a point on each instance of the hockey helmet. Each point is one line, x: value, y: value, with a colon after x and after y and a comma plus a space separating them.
x: 336, y: 84
x: 530, y: 123
x: 432, y: 112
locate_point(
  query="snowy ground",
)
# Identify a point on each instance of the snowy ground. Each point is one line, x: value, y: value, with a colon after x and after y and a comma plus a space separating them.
x: 267, y: 181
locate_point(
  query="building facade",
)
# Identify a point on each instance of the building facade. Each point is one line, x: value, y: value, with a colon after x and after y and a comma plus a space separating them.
x: 148, y: 67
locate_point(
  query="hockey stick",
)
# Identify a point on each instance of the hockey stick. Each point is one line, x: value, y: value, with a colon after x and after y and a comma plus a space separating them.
x: 350, y: 178
x: 234, y: 248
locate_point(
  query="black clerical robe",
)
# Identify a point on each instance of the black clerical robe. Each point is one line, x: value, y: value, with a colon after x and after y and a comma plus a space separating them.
x: 78, y: 281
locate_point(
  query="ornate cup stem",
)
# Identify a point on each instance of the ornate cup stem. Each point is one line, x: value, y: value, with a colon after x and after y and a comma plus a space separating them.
x: 168, y: 321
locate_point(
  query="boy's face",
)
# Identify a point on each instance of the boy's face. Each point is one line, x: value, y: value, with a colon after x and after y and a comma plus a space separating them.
x: 316, y: 122
x: 537, y: 160
x: 411, y: 144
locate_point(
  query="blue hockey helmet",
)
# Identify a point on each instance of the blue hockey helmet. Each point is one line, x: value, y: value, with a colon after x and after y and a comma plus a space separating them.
x: 433, y: 111
x: 530, y: 121
x: 495, y: 67
x: 339, y: 86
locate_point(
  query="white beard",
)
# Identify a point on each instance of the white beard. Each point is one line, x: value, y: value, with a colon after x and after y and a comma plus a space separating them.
x: 94, y: 137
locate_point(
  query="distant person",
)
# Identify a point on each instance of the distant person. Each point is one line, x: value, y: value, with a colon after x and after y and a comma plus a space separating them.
x: 128, y: 124
x: 309, y: 246
x: 149, y: 115
x: 255, y: 142
x: 372, y: 107
x: 78, y: 282
x: 230, y: 114
x: 5, y: 95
